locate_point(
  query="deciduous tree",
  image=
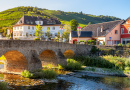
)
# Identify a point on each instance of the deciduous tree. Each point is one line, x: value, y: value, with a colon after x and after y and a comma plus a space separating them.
x: 38, y: 31
x: 74, y: 24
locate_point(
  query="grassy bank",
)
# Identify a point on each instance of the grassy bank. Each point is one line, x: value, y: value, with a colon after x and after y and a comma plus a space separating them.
x: 40, y: 74
x: 105, y: 62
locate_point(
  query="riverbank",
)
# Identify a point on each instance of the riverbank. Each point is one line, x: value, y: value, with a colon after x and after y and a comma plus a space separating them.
x: 104, y: 71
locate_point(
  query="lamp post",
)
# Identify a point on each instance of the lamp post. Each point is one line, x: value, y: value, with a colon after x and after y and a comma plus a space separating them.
x: 97, y: 35
x: 78, y: 32
x: 61, y: 32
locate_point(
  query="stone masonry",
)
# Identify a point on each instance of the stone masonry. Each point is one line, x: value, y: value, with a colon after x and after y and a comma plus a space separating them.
x: 32, y: 49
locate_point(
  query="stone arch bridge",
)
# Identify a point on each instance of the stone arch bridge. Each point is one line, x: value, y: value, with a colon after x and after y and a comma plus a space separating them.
x: 27, y: 53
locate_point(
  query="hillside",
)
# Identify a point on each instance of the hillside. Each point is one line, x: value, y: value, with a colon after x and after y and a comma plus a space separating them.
x: 11, y: 16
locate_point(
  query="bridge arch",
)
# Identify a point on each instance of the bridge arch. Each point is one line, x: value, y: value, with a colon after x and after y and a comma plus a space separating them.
x: 69, y: 53
x: 15, y: 61
x: 48, y: 56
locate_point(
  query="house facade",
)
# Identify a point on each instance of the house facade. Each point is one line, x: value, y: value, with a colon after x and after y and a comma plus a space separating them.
x: 108, y: 32
x: 24, y: 29
x: 125, y: 32
x: 85, y: 36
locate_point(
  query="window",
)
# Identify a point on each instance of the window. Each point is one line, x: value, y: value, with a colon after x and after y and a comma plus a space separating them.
x: 115, y: 31
x: 17, y: 34
x: 21, y: 27
x: 17, y: 28
x: 53, y: 28
x: 28, y: 27
x: 27, y: 34
x: 20, y: 33
x: 117, y: 42
x: 122, y: 30
x: 30, y: 34
x: 128, y: 29
x: 14, y: 34
x: 32, y: 28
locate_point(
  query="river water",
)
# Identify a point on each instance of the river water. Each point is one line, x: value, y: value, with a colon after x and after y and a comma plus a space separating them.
x: 78, y: 81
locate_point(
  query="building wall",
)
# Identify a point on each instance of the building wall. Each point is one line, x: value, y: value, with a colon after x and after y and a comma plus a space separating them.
x: 81, y: 38
x: 101, y: 40
x: 125, y: 37
x: 115, y: 37
x: 24, y: 29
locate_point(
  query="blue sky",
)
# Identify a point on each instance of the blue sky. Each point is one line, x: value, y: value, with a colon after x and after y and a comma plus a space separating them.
x: 117, y: 8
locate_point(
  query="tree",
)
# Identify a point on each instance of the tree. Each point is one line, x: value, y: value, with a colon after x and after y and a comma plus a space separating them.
x: 48, y: 34
x: 74, y: 24
x: 66, y: 32
x: 38, y: 31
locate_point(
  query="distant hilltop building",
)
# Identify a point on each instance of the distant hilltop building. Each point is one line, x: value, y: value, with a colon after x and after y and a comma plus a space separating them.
x: 24, y: 29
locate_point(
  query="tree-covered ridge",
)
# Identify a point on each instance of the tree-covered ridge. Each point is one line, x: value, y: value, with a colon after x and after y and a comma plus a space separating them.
x: 11, y: 16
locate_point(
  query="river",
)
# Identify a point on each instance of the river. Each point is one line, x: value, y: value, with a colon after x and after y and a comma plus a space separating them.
x: 79, y: 81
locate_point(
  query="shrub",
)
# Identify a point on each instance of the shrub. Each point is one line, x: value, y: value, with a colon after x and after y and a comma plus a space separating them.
x: 128, y: 44
x: 73, y: 65
x: 94, y: 49
x: 120, y: 44
x: 48, y: 73
x: 3, y: 86
x: 60, y: 67
x: 91, y: 42
x: 27, y: 74
x: 37, y: 39
x: 103, y: 43
x: 82, y: 41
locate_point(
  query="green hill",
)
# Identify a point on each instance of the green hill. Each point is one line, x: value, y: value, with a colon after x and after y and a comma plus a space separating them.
x: 11, y: 16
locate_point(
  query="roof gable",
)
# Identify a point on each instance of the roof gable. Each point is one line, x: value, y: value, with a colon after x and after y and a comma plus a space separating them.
x: 106, y: 27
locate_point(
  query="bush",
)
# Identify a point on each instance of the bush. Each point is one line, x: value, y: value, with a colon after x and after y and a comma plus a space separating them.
x: 94, y: 49
x: 120, y: 44
x: 82, y: 41
x: 73, y: 65
x: 128, y: 44
x: 3, y: 86
x: 49, y: 74
x: 27, y: 74
x: 37, y: 39
x: 91, y: 42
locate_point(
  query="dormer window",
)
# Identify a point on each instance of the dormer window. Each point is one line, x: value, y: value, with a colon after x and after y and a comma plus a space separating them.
x: 27, y: 21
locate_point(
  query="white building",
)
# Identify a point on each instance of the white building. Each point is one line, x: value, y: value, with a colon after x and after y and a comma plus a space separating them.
x: 24, y: 29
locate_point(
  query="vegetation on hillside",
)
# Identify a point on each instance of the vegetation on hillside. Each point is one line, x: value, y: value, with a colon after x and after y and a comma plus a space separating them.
x: 11, y: 16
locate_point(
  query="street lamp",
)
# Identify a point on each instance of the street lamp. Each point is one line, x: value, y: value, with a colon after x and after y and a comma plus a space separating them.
x: 61, y: 32
x: 78, y: 32
x: 97, y: 35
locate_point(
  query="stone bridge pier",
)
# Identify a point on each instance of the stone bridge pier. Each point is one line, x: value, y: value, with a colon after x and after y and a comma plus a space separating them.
x: 32, y: 55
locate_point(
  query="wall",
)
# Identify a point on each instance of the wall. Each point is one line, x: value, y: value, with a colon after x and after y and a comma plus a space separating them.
x: 25, y: 29
x: 80, y: 38
x: 115, y: 37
